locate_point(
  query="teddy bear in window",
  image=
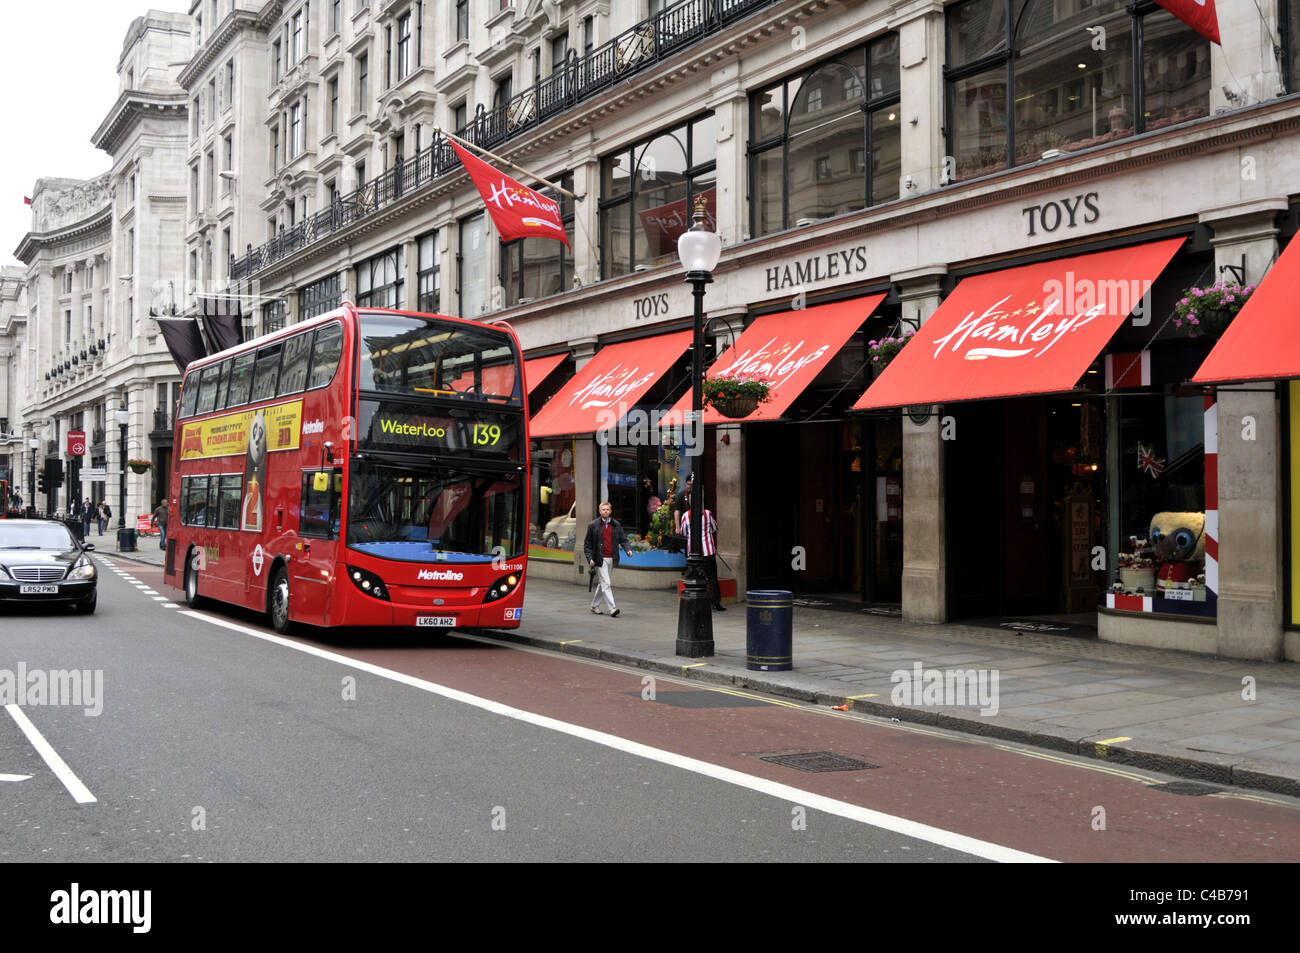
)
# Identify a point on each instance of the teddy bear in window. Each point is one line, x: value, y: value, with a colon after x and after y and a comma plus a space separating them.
x: 1178, y: 544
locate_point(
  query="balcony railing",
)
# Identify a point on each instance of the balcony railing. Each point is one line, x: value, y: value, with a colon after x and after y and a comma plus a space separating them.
x: 161, y: 423
x: 579, y: 79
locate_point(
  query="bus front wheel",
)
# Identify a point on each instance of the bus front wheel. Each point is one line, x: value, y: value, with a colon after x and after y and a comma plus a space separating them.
x: 192, y: 598
x: 280, y: 601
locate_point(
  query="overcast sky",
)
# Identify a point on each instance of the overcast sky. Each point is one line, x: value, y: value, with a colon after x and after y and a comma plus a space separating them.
x: 58, y: 74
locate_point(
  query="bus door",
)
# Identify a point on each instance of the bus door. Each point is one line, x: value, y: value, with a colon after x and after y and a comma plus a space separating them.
x: 315, y: 554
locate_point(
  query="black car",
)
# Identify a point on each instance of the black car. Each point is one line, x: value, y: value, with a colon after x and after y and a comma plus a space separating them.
x: 42, y: 562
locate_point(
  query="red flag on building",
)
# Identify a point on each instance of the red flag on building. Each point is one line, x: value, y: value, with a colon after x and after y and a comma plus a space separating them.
x: 516, y: 210
x: 27, y: 200
x: 1197, y: 14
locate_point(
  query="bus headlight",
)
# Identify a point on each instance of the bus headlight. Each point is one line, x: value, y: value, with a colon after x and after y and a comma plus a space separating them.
x: 368, y: 583
x: 504, y: 586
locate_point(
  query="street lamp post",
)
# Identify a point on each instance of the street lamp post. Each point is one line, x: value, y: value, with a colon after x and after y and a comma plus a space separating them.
x: 124, y: 544
x: 699, y: 250
x: 32, y: 445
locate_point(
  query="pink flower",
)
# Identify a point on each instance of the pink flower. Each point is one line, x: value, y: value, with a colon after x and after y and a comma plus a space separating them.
x: 1198, y: 292
x: 1192, y: 320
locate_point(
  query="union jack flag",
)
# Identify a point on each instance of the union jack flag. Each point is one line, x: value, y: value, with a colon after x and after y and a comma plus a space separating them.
x: 1148, y: 462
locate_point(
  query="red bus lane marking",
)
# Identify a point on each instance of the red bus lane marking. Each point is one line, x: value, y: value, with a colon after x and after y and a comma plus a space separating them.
x: 1033, y: 802
x: 1040, y: 806
x: 740, y: 778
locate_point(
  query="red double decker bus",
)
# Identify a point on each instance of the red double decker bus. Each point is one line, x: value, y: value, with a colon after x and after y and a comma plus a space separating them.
x: 361, y: 468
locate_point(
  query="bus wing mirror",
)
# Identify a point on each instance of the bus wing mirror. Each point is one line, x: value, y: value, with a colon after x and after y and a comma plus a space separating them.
x: 320, y: 481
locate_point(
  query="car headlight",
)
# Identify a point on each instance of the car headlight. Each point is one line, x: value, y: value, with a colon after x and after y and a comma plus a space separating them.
x: 4, y: 573
x: 83, y: 568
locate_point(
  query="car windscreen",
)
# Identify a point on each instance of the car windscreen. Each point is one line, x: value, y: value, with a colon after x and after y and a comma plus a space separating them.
x: 47, y: 536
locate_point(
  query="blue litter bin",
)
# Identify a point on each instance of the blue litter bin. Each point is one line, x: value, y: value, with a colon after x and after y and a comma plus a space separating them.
x: 769, y: 630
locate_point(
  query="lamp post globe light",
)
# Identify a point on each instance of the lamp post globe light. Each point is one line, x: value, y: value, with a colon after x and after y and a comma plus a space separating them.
x: 699, y: 250
x: 125, y: 539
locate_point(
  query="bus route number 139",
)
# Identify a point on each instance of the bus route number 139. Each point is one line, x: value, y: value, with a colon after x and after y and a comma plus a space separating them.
x: 487, y: 434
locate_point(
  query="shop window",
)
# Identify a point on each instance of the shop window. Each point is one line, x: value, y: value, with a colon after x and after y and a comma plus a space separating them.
x: 428, y: 288
x: 379, y: 281
x: 810, y: 134
x: 1064, y: 94
x: 1159, y: 502
x: 537, y: 267
x: 319, y: 297
x: 648, y: 195
x: 556, y: 530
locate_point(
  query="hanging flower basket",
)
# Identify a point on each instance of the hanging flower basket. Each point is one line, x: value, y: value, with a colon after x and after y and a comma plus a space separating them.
x: 885, y: 350
x: 140, y: 466
x: 736, y: 407
x: 1209, y: 310
x: 737, y: 395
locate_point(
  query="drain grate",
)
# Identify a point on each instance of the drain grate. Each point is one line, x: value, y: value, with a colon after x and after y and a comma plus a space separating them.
x: 818, y: 762
x: 1189, y: 788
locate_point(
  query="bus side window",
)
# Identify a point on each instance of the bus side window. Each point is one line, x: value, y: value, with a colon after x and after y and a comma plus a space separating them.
x: 318, y: 516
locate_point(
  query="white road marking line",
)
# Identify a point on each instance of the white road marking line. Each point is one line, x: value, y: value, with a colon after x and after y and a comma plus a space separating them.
x: 150, y: 592
x: 785, y: 792
x: 14, y: 777
x: 171, y: 605
x: 160, y: 598
x: 80, y: 793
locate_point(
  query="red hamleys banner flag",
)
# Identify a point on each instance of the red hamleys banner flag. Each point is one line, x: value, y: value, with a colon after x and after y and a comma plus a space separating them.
x: 516, y: 210
x: 1197, y: 14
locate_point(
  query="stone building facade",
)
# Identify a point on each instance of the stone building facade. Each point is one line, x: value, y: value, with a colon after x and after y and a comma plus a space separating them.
x: 102, y: 257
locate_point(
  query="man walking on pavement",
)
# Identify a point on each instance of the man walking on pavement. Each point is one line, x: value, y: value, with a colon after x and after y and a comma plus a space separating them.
x: 160, y: 517
x: 708, y: 550
x: 605, y: 540
x: 87, y: 515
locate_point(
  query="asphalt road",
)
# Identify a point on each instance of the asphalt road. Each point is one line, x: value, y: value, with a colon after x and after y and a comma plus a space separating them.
x: 219, y: 741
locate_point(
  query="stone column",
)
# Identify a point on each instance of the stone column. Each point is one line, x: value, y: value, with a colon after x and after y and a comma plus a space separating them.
x: 1252, y: 585
x: 920, y: 26
x: 728, y: 444
x: 730, y: 105
x: 410, y: 274
x: 586, y: 218
x: 925, y: 559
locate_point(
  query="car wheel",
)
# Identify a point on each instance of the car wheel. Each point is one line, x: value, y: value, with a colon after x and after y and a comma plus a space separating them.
x: 279, y: 598
x: 552, y: 541
x: 192, y: 597
x: 87, y: 606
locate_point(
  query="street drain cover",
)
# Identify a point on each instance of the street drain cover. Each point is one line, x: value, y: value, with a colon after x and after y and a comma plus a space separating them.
x: 1189, y: 788
x: 702, y: 699
x: 818, y: 761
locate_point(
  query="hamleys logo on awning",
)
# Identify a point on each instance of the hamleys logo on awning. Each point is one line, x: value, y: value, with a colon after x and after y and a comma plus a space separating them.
x: 1024, y: 332
x: 611, y: 386
x: 777, y: 363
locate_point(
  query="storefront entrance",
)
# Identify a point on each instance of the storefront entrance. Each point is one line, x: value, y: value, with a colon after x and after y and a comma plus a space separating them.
x: 824, y: 508
x: 1023, y: 483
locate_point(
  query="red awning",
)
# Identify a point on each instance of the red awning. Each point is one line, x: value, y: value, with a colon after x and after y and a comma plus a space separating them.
x: 539, y: 368
x: 1027, y: 330
x: 609, y: 385
x: 790, y: 349
x: 1262, y: 342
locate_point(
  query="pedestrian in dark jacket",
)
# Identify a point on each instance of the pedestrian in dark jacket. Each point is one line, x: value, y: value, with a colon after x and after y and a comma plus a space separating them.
x: 605, y: 540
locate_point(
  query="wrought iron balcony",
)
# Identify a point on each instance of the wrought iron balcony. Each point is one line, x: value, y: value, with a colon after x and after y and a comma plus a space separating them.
x: 161, y: 422
x: 577, y: 80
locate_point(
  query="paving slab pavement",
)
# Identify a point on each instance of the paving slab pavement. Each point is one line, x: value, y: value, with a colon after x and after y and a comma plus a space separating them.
x: 1175, y: 712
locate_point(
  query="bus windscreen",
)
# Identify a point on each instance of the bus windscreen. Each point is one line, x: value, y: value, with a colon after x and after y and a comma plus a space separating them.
x: 425, y: 357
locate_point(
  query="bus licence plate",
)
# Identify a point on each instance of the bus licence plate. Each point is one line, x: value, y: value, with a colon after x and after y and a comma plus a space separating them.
x: 439, y: 621
x: 38, y: 590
